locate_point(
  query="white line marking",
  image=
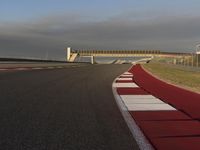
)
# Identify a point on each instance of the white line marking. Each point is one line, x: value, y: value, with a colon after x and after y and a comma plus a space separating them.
x: 137, y: 96
x: 125, y: 85
x: 124, y: 79
x: 149, y: 107
x: 142, y: 141
x: 126, y: 75
x: 142, y: 101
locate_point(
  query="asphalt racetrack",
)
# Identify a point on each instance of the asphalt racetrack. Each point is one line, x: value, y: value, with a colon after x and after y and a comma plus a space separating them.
x: 62, y: 109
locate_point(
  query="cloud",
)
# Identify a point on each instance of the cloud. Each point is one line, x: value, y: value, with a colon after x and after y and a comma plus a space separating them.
x: 52, y: 33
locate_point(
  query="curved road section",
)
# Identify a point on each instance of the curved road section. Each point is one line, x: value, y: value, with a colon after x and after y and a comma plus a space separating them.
x: 158, y: 113
x: 62, y: 109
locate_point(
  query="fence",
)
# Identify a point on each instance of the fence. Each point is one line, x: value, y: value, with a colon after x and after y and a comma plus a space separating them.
x: 190, y: 60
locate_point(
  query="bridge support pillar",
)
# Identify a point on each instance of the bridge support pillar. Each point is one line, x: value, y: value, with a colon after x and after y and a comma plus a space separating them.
x: 92, y: 59
x: 68, y: 53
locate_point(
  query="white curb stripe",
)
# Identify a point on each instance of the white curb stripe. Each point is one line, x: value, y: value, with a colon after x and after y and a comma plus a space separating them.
x: 125, y: 79
x: 126, y: 75
x: 137, y: 97
x: 143, y: 143
x: 125, y: 85
x: 142, y: 101
x: 149, y: 107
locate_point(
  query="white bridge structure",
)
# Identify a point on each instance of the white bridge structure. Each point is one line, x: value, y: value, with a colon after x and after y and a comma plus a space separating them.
x: 119, y: 56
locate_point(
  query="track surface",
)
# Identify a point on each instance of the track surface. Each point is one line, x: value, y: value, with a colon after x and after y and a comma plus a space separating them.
x: 62, y: 109
x: 13, y: 65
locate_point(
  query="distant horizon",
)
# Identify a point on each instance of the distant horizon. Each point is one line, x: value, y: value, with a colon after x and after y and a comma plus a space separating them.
x: 64, y: 56
x: 46, y: 58
x: 35, y: 28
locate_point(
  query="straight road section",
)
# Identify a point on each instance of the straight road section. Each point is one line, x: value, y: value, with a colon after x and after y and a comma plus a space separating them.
x: 62, y: 109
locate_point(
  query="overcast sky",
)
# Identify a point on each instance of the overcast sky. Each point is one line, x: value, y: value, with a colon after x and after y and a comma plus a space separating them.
x: 33, y: 28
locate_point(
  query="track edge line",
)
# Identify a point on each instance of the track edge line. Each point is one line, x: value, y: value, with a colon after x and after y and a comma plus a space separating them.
x: 140, y: 138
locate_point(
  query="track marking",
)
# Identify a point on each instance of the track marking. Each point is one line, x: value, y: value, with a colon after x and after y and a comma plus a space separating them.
x: 34, y: 68
x: 137, y: 97
x: 129, y: 75
x: 143, y: 101
x: 149, y: 107
x: 137, y: 103
x: 125, y: 79
x: 125, y: 85
x: 142, y: 141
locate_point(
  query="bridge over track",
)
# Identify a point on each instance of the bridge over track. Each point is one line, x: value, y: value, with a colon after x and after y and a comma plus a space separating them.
x: 73, y: 54
x: 117, y: 53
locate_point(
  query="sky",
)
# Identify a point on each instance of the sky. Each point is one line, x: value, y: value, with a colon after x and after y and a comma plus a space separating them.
x: 41, y: 28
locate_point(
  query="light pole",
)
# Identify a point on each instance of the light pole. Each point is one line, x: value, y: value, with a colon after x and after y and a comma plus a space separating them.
x: 192, y: 60
x: 197, y: 53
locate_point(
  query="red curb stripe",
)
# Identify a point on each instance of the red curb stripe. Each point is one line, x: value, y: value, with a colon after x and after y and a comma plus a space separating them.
x: 124, y: 77
x: 178, y: 143
x: 131, y: 91
x: 166, y: 130
x: 182, y: 99
x: 160, y: 129
x: 158, y: 115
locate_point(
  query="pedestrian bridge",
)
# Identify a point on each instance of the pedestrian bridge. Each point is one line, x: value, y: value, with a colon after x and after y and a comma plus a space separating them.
x: 117, y: 53
x: 115, y: 56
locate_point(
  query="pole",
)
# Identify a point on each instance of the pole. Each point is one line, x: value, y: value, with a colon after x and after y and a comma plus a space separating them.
x: 192, y: 60
x: 197, y: 53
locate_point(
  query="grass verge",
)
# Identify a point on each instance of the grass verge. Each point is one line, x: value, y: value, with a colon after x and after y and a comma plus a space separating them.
x: 189, y: 79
